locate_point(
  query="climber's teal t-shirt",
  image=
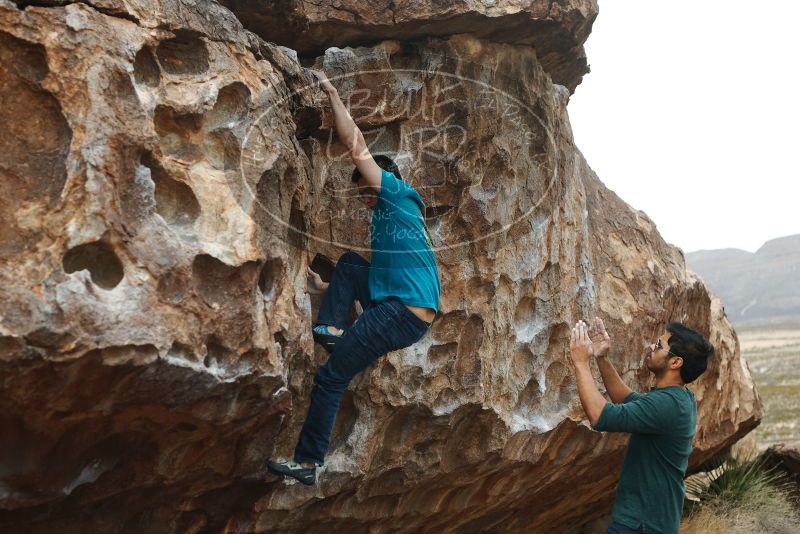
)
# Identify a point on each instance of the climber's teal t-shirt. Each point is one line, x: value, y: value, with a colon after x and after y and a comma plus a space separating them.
x: 662, y: 424
x: 403, y: 264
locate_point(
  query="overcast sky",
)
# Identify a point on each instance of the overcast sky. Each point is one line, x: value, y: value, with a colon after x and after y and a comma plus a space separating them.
x: 691, y: 114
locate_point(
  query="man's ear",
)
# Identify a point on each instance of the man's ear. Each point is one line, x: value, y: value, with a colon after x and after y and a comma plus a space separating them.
x: 677, y: 363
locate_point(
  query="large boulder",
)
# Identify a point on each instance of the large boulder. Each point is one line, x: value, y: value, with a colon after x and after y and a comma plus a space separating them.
x: 555, y: 29
x: 169, y: 176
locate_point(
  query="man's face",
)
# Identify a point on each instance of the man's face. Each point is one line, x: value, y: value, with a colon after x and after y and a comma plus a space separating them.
x: 658, y: 356
x: 367, y: 194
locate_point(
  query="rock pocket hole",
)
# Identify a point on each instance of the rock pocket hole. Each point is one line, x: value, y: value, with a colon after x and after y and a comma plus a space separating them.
x: 49, y: 339
x: 35, y: 139
x: 27, y: 60
x: 441, y: 354
x: 223, y: 149
x: 558, y: 379
x: 529, y: 319
x: 231, y: 106
x: 181, y: 351
x: 270, y: 273
x: 296, y: 233
x: 531, y: 396
x: 168, y: 121
x: 470, y: 339
x: 216, y: 352
x: 99, y: 259
x: 219, y: 283
x: 271, y: 192
x: 186, y: 53
x: 172, y: 286
x: 175, y: 200
x: 180, y: 133
x: 145, y: 68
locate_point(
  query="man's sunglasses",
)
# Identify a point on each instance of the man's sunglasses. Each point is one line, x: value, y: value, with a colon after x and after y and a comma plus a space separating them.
x: 659, y: 346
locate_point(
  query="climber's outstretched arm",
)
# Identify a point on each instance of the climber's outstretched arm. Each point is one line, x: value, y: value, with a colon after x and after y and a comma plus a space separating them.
x: 616, y: 388
x: 581, y: 350
x: 350, y: 135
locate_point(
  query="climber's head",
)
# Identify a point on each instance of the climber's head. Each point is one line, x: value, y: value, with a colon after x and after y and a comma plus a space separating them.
x: 679, y: 351
x: 367, y: 194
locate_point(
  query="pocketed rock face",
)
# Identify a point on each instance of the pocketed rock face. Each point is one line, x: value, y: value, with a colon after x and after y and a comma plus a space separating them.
x: 556, y: 29
x: 171, y: 176
x: 152, y: 316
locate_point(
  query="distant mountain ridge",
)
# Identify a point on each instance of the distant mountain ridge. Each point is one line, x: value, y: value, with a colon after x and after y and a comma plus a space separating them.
x: 760, y: 285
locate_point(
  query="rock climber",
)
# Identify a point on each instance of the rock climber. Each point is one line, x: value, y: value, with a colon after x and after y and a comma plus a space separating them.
x: 398, y: 291
x: 661, y: 422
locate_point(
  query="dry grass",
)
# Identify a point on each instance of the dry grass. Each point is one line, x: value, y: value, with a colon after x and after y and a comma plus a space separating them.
x: 749, y: 499
x: 774, y: 514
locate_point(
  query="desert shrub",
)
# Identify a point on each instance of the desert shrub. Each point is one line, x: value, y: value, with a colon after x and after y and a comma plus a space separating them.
x: 739, y: 495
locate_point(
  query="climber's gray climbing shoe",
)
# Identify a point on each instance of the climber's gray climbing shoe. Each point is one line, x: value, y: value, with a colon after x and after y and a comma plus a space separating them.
x: 306, y: 475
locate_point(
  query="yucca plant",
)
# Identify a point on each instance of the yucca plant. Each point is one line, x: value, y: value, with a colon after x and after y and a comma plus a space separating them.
x: 733, y: 480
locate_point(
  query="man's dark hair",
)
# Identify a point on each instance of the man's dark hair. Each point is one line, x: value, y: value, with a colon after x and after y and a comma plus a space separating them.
x: 693, y: 347
x: 385, y: 163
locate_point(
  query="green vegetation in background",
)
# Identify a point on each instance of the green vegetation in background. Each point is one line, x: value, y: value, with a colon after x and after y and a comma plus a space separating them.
x: 772, y: 351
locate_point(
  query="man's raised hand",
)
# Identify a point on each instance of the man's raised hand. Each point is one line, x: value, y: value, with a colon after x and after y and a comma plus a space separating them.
x: 580, y: 346
x: 326, y: 85
x: 600, y: 338
x: 315, y: 284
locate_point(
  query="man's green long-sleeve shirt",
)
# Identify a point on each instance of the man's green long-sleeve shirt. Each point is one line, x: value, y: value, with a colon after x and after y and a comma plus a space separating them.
x: 662, y: 425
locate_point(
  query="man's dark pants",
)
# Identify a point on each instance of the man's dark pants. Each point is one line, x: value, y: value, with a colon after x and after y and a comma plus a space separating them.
x: 619, y: 528
x: 380, y: 329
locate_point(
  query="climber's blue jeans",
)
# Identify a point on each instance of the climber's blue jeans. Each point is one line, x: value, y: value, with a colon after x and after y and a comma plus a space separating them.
x: 349, y: 282
x: 380, y: 329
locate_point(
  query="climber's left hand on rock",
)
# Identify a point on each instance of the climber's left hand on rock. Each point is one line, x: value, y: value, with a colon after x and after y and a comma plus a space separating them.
x: 326, y: 85
x: 580, y: 345
x: 315, y: 284
x: 601, y: 341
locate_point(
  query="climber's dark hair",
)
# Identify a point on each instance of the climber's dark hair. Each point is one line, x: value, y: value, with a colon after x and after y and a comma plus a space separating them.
x: 384, y: 162
x: 693, y: 347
